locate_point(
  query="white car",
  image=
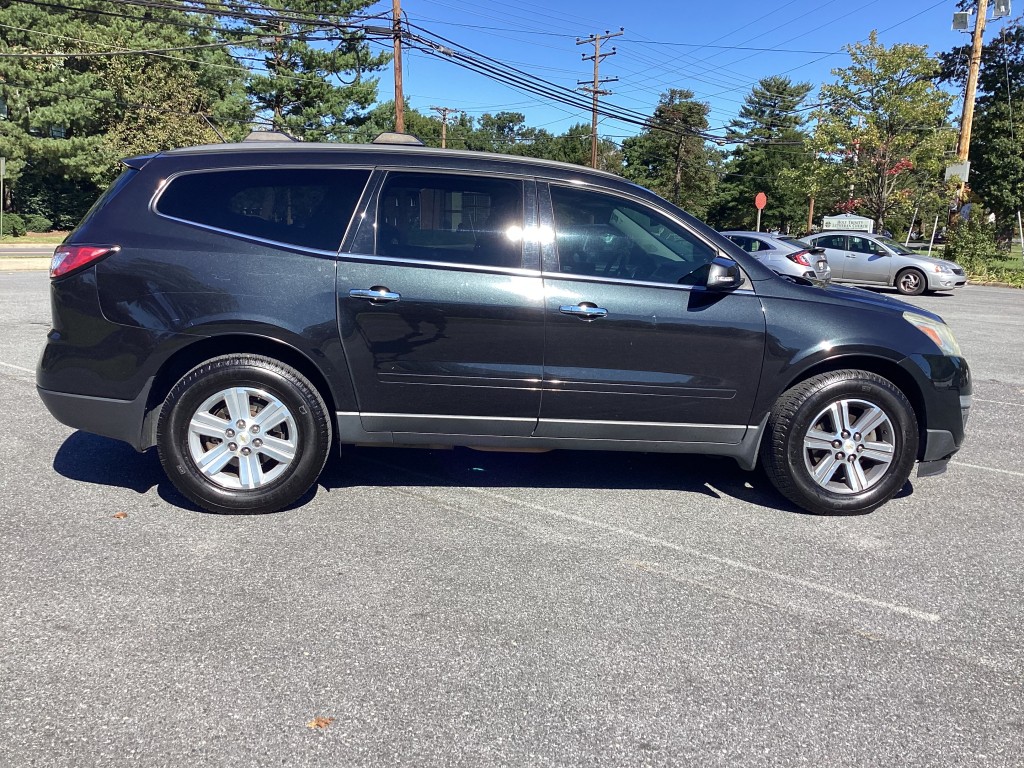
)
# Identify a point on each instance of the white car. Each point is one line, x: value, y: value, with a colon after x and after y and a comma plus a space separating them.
x: 783, y: 254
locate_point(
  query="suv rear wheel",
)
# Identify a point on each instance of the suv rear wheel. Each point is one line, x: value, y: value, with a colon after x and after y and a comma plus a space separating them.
x: 841, y: 442
x: 243, y: 433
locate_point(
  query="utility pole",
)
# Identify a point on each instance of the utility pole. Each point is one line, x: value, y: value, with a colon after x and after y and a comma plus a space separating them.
x: 443, y: 112
x: 963, y: 146
x: 595, y: 89
x: 396, y: 27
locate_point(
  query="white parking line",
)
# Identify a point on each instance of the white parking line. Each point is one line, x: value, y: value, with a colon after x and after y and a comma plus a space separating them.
x: 987, y: 469
x: 997, y: 402
x: 658, y: 542
x: 16, y: 367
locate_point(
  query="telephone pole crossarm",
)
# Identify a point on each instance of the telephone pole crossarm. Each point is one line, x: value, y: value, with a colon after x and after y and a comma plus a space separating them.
x: 444, y: 112
x: 594, y: 87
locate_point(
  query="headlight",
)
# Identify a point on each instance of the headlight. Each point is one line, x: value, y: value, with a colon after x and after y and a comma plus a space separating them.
x: 943, y: 269
x: 936, y: 331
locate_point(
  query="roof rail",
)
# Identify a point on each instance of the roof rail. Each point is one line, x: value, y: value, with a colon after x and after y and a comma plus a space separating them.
x: 390, y: 137
x: 269, y: 136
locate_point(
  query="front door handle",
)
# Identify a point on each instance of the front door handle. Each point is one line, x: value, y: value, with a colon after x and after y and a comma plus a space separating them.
x: 585, y: 310
x: 378, y: 294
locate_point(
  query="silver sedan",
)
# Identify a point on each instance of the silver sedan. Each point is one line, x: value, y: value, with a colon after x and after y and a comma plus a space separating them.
x: 866, y: 259
x: 785, y: 255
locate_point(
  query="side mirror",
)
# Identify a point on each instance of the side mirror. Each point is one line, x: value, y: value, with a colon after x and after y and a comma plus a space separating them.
x: 724, y: 275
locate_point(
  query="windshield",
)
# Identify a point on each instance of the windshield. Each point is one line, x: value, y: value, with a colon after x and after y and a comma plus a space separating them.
x: 898, y: 247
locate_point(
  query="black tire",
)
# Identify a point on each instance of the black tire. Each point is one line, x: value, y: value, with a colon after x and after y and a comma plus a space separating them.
x: 812, y: 432
x: 911, y: 282
x: 263, y: 461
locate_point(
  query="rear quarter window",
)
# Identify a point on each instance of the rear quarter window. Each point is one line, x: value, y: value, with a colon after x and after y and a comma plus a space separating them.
x: 306, y: 207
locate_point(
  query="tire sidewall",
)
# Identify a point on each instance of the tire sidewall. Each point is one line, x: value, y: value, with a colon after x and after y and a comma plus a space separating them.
x: 204, y: 381
x: 901, y: 416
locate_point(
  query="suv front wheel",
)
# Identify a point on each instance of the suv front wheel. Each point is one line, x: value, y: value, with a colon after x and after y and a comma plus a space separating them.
x: 841, y: 443
x: 243, y: 433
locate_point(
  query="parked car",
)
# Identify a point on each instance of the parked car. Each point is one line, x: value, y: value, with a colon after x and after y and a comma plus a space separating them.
x: 866, y: 259
x: 785, y: 255
x: 243, y: 308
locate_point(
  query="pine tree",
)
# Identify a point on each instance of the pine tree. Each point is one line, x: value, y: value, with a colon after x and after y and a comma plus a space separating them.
x: 671, y: 156
x: 311, y: 64
x: 70, y: 117
x: 771, y: 153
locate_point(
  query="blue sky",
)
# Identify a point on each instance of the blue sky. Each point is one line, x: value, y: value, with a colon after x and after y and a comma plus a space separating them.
x: 714, y: 49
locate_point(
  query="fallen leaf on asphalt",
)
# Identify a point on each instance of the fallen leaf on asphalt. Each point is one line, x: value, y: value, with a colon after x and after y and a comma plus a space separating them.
x: 320, y: 722
x: 120, y: 515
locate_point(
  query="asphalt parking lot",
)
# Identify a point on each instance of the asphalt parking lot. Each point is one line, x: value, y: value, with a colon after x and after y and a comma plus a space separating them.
x: 478, y: 609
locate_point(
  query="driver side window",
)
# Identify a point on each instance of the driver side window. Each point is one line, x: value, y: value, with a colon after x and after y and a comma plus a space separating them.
x: 607, y: 236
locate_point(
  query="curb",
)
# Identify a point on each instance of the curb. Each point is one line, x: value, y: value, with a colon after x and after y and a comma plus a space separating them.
x: 24, y: 263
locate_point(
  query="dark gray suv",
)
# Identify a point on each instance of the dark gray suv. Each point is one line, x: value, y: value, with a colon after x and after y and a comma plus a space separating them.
x: 245, y: 307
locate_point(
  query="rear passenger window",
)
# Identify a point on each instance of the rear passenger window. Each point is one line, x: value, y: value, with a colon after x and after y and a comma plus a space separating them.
x: 451, y: 218
x: 307, y: 207
x: 832, y: 241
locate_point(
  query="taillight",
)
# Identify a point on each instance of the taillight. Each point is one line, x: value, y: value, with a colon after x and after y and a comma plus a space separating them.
x: 68, y: 258
x: 800, y: 257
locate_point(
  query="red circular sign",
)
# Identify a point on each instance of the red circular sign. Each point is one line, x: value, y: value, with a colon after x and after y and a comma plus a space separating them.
x: 760, y: 200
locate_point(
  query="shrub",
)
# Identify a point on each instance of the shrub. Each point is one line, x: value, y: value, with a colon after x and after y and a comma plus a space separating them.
x: 972, y: 244
x: 36, y: 223
x: 13, y: 225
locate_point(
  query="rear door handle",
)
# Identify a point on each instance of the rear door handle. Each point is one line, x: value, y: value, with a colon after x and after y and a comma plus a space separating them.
x: 378, y: 294
x: 584, y: 310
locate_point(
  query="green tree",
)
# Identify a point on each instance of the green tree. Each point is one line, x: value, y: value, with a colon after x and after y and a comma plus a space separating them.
x: 311, y: 79
x: 997, y: 138
x: 671, y: 156
x: 882, y: 130
x: 772, y: 156
x: 69, y: 116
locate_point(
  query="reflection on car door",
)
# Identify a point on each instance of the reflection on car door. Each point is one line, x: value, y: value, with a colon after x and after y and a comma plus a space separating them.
x: 867, y: 261
x: 635, y: 347
x: 441, y: 323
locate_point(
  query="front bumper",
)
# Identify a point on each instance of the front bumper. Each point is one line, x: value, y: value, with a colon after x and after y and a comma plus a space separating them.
x: 940, y: 281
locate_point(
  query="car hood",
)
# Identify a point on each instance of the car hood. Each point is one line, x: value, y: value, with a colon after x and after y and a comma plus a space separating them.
x: 929, y: 261
x: 834, y: 293
x: 871, y: 299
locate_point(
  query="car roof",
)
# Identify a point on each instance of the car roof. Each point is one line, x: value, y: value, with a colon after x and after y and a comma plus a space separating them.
x: 846, y: 232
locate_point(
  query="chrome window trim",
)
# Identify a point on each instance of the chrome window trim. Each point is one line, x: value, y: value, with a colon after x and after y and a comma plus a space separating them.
x: 400, y: 262
x: 647, y: 283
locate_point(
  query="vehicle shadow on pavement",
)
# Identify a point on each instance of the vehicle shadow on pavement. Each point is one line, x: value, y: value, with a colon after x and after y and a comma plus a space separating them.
x: 88, y: 458
x: 711, y: 477
x: 99, y: 460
